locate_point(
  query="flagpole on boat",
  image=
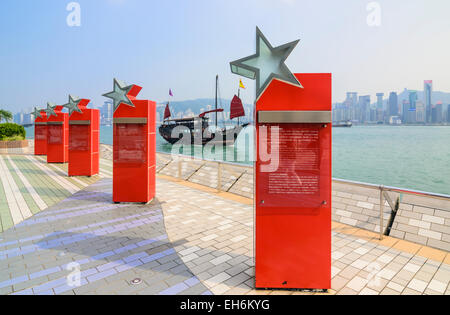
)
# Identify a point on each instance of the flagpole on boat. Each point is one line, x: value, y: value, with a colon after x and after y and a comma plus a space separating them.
x: 217, y: 83
x: 239, y: 95
x: 167, y: 113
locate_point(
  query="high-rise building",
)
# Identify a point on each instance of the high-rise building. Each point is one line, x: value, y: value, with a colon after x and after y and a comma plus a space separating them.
x: 412, y: 99
x: 440, y: 112
x: 428, y: 92
x: 448, y: 113
x: 364, y: 108
x: 341, y: 112
x: 24, y: 117
x: 380, y: 100
x: 393, y: 104
x: 337, y: 112
x: 420, y: 112
x: 19, y: 118
x: 412, y: 106
x: 106, y: 113
x: 352, y: 97
x: 373, y: 115
x: 379, y: 111
x: 436, y: 113
x: 381, y: 116
x: 405, y: 112
x: 351, y: 102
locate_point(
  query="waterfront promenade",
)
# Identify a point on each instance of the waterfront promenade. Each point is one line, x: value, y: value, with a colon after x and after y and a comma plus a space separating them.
x: 193, y: 239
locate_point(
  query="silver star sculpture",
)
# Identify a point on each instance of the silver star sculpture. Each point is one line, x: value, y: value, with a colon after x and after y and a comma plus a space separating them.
x: 36, y: 113
x: 267, y: 64
x: 50, y: 110
x: 72, y: 106
x: 119, y: 94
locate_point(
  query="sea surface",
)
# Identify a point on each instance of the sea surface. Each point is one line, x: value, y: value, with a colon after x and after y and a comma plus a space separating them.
x: 411, y: 157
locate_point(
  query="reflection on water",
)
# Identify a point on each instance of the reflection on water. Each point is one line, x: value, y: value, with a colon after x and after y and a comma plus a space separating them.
x: 241, y: 152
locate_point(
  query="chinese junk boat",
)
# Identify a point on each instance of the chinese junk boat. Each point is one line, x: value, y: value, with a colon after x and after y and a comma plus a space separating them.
x: 217, y: 135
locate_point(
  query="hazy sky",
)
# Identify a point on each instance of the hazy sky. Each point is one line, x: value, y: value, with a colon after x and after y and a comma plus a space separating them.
x: 183, y: 44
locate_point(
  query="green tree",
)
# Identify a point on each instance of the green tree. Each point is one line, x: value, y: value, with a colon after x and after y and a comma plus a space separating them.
x: 5, y: 115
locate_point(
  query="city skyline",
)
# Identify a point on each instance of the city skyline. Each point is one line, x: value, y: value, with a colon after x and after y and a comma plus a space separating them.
x: 399, y: 108
x: 386, y: 106
x: 182, y: 45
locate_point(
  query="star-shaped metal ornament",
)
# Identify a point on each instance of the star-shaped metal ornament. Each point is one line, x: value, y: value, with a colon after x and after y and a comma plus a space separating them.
x: 72, y: 106
x: 36, y: 113
x: 50, y: 110
x: 267, y: 64
x: 120, y: 94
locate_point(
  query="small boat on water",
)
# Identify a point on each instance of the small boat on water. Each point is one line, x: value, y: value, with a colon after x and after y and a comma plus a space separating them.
x: 343, y: 124
x: 197, y: 126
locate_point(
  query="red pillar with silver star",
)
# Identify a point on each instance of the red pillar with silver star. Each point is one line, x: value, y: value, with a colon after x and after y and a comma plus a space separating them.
x: 292, y: 170
x: 293, y: 200
x: 84, y: 140
x: 58, y: 136
x: 40, y: 134
x: 134, y: 152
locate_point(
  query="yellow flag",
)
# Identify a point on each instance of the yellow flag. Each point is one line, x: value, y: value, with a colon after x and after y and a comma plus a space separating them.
x: 241, y: 85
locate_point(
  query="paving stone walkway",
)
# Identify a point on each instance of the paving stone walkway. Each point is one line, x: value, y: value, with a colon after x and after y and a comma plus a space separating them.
x: 110, y: 244
x: 190, y: 240
x: 216, y: 243
x: 29, y: 185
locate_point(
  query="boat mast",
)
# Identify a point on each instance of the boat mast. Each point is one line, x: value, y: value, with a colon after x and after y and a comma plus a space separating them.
x: 217, y: 83
x: 239, y: 95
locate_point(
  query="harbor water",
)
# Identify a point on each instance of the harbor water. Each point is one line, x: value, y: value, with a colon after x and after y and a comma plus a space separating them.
x: 412, y: 157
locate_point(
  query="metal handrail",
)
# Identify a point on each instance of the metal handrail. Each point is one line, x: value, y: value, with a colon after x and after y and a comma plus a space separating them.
x: 394, y: 189
x: 382, y: 189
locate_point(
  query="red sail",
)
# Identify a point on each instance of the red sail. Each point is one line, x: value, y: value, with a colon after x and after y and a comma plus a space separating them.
x: 167, y: 113
x: 237, y: 109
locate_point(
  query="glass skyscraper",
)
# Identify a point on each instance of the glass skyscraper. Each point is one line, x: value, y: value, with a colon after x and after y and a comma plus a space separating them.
x: 436, y: 113
x: 405, y: 112
x: 448, y: 113
x: 428, y: 91
x: 412, y: 99
x: 364, y: 107
x: 393, y: 104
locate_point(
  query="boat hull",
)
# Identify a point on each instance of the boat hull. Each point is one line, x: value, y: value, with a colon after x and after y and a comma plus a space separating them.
x: 225, y: 137
x: 343, y: 125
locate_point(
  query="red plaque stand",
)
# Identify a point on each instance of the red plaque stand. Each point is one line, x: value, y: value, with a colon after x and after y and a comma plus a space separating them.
x: 58, y: 137
x: 84, y: 141
x: 40, y: 134
x: 293, y: 200
x: 134, y: 170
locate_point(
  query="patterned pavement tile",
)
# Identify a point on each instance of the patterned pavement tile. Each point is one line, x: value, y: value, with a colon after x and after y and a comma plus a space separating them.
x: 360, y: 266
x: 103, y: 242
x: 188, y: 241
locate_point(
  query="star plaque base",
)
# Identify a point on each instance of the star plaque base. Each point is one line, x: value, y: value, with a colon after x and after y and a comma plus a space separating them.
x: 84, y: 141
x: 134, y: 167
x: 58, y: 137
x: 40, y: 134
x: 293, y: 188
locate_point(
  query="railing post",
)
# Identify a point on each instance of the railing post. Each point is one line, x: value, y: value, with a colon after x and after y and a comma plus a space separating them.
x: 219, y: 176
x: 381, y: 212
